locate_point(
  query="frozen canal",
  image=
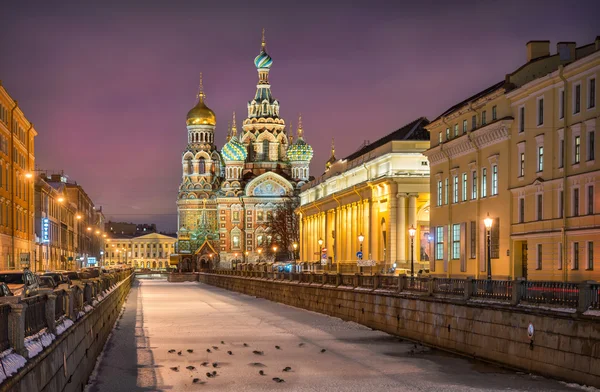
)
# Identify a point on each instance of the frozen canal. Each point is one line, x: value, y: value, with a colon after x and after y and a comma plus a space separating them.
x: 160, y: 317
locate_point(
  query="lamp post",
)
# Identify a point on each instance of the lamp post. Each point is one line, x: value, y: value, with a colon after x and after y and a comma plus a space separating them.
x: 320, y: 241
x: 259, y: 250
x: 274, y: 253
x: 488, y: 222
x: 411, y: 232
x: 295, y: 246
x: 361, y: 238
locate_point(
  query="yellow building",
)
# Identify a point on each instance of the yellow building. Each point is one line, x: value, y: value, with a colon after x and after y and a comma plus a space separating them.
x: 17, y: 161
x: 487, y: 159
x: 145, y: 251
x: 378, y: 192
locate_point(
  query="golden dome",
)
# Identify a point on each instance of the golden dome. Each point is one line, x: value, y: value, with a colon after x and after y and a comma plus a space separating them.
x: 201, y: 114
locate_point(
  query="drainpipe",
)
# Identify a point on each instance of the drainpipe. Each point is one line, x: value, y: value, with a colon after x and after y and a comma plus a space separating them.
x: 563, y: 230
x: 12, y: 182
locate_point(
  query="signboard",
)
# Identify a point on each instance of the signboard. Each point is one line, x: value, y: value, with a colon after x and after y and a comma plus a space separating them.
x: 24, y: 257
x: 366, y: 263
x: 530, y: 331
x: 359, y: 255
x: 324, y: 258
x: 45, y: 230
x: 91, y: 260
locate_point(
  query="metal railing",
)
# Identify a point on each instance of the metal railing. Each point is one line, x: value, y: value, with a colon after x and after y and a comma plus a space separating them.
x: 420, y: 285
x: 35, y: 314
x: 366, y: 281
x: 388, y: 282
x: 492, y: 289
x: 552, y: 293
x: 594, y: 294
x: 331, y: 279
x: 4, y: 341
x: 449, y: 286
x: 347, y: 280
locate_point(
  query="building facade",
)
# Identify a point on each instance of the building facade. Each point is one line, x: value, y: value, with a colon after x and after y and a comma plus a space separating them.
x: 17, y: 161
x: 145, y: 251
x: 375, y: 194
x: 128, y: 228
x: 226, y: 196
x: 487, y: 160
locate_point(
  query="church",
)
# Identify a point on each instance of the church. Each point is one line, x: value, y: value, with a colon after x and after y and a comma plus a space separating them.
x: 227, y: 196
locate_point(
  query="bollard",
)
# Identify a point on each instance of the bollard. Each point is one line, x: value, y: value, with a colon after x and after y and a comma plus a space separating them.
x: 16, y: 328
x: 584, y: 301
x: 50, y: 312
x: 468, y: 292
x: 516, y: 292
x: 70, y: 305
x: 430, y: 286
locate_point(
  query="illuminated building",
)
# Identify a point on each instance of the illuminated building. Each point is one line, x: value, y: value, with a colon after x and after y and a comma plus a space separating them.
x: 226, y: 197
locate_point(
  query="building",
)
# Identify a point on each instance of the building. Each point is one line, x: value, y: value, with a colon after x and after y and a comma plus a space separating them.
x: 128, y: 228
x: 145, y: 251
x: 17, y: 161
x: 76, y: 227
x: 479, y: 165
x: 227, y: 196
x: 375, y: 194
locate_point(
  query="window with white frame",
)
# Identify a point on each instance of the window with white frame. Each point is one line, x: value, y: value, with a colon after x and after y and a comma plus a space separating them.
x: 540, y: 206
x: 561, y: 149
x: 561, y: 203
x: 446, y: 190
x: 439, y: 243
x: 455, y: 189
x: 464, y: 130
x: 455, y: 130
x: 577, y: 150
x: 561, y: 104
x: 494, y: 113
x: 577, y: 98
x: 575, y: 202
x: 540, y: 158
x: 494, y: 180
x: 590, y: 256
x: 447, y: 134
x: 591, y: 93
x: 538, y: 261
x: 591, y: 146
x: 522, y: 164
x: 483, y: 117
x: 474, y: 185
x: 521, y: 119
x: 590, y: 199
x: 575, y: 265
x: 456, y: 241
x: 439, y: 193
x: 464, y: 187
x: 484, y: 182
x: 540, y: 111
x: 474, y: 122
x: 439, y: 137
x: 521, y: 210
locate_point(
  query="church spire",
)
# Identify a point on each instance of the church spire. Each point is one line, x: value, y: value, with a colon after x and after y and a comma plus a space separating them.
x: 263, y: 45
x: 233, y: 126
x: 228, y: 131
x: 201, y: 94
x: 300, y: 130
x: 332, y: 158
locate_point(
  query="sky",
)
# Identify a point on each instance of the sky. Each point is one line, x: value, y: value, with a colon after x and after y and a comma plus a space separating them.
x: 108, y: 84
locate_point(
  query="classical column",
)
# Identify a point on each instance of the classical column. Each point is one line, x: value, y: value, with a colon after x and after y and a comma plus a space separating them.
x: 391, y: 242
x: 301, y: 239
x: 353, y: 232
x: 401, y: 235
x: 412, y: 210
x: 348, y: 233
x: 366, y: 227
x: 375, y: 230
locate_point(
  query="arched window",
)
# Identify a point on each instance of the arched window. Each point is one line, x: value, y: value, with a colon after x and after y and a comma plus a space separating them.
x: 201, y: 166
x: 265, y: 150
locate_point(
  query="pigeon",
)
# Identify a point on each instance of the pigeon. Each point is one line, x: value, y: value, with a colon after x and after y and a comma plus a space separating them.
x: 215, y: 347
x: 208, y: 350
x: 301, y: 345
x: 277, y: 379
x: 205, y: 364
x: 257, y: 364
x: 278, y: 348
x: 261, y: 372
x: 214, y: 373
x: 190, y: 367
x: 258, y: 352
x: 323, y: 350
x: 229, y: 352
x: 197, y: 381
x: 178, y: 352
x: 215, y: 364
x: 171, y: 351
x: 245, y: 344
x: 287, y: 369
x: 222, y: 342
x: 175, y: 368
x: 189, y: 350
x: 209, y: 375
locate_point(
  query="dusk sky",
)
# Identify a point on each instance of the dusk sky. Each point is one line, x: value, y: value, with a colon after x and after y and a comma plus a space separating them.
x: 108, y: 84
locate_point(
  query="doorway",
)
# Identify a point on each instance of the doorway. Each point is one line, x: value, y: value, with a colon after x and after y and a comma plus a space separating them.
x: 524, y: 259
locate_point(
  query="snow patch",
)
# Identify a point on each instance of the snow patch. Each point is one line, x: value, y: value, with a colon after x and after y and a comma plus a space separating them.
x: 592, y: 312
x: 63, y: 325
x: 87, y: 308
x: 552, y: 308
x: 10, y: 363
x: 35, y: 344
x: 581, y: 387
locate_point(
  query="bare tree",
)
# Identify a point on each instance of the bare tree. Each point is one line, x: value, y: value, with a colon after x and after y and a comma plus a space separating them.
x: 284, y: 227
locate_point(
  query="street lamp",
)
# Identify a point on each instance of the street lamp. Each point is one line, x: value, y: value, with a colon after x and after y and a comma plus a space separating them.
x: 361, y: 238
x: 259, y: 250
x: 488, y: 222
x: 411, y: 232
x: 320, y: 241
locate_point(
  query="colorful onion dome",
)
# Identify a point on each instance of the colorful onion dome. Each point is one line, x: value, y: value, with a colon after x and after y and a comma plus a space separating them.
x: 300, y: 151
x: 201, y: 114
x: 233, y: 151
x: 263, y: 60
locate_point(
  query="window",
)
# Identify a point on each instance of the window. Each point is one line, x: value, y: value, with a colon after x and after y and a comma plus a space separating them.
x: 577, y: 99
x: 560, y: 256
x: 259, y: 215
x: 446, y: 191
x: 540, y: 111
x: 494, y: 180
x: 576, y: 202
x: 540, y: 207
x: 577, y: 146
x: 561, y: 153
x: 474, y: 185
x: 522, y: 119
x: 575, y: 255
x: 590, y: 200
x: 561, y: 203
x: 464, y: 126
x: 592, y: 93
x: 473, y: 122
x: 473, y: 239
x: 447, y: 133
x: 236, y: 216
x: 235, y: 241
x: 591, y: 146
x: 464, y: 187
x: 521, y: 210
x: 538, y: 261
x: 455, y: 190
x: 439, y: 243
x: 494, y: 113
x: 522, y: 165
x: 455, y: 130
x: 561, y: 104
x: 484, y: 182
x: 540, y: 158
x: 590, y: 255
x: 456, y: 241
x: 483, y: 117
x: 439, y: 137
x: 259, y: 240
x: 439, y: 194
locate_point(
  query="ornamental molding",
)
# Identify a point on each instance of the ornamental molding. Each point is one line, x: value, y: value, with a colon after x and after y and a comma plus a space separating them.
x: 493, y: 159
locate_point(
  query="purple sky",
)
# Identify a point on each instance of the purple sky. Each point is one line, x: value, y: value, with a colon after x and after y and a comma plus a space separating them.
x: 108, y: 85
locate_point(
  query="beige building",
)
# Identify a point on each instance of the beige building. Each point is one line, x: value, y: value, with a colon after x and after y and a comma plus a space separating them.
x: 380, y: 191
x: 17, y: 161
x: 487, y: 159
x: 146, y: 251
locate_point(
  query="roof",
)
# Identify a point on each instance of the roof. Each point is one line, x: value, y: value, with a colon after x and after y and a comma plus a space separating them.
x: 142, y: 236
x: 474, y: 97
x: 414, y: 130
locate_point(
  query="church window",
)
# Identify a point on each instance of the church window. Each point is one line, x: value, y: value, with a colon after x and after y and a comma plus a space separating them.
x: 201, y: 166
x: 259, y: 240
x: 236, y: 216
x: 265, y: 150
x: 259, y: 215
x: 235, y: 241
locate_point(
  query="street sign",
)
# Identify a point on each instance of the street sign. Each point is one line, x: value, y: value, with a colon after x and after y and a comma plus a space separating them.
x: 359, y: 255
x: 366, y: 263
x: 530, y: 331
x: 91, y: 260
x: 45, y: 230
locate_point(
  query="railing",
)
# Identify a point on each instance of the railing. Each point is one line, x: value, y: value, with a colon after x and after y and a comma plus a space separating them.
x: 388, y: 282
x: 449, y: 286
x: 492, y: 289
x: 594, y: 299
x: 365, y: 281
x: 4, y: 341
x: 61, y: 299
x: 347, y: 280
x: 331, y: 279
x: 35, y: 314
x: 552, y: 293
x: 420, y: 285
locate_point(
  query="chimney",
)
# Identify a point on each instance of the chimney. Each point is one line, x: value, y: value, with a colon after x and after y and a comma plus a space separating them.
x: 566, y: 51
x: 537, y: 49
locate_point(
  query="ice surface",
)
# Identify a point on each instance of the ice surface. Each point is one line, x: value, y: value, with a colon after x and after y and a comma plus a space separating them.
x: 162, y: 316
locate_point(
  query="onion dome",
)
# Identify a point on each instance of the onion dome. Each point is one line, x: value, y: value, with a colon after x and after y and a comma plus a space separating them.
x: 263, y: 60
x: 201, y: 114
x: 234, y: 150
x: 300, y: 151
